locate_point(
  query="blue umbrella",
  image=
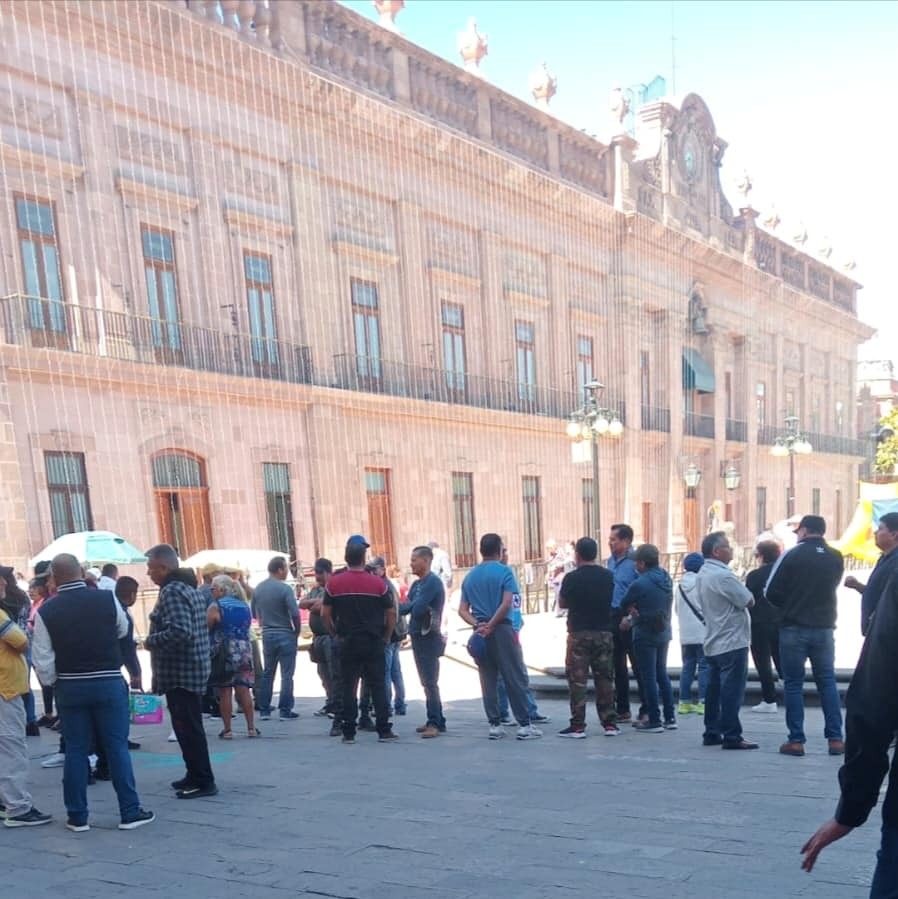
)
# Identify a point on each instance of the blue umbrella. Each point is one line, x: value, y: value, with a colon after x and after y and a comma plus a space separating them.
x: 91, y: 547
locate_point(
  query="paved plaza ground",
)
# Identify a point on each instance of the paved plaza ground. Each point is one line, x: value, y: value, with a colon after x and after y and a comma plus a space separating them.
x: 456, y: 817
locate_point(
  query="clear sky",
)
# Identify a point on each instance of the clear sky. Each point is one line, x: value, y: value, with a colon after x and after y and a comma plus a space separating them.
x: 804, y: 93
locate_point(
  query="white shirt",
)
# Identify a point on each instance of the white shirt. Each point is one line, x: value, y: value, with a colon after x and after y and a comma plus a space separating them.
x: 106, y: 583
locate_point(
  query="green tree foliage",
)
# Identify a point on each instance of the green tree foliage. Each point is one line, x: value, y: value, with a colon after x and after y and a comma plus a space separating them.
x: 887, y: 450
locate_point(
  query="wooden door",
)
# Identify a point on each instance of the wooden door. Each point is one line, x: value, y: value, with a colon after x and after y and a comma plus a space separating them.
x: 647, y: 523
x: 184, y: 520
x: 380, y: 515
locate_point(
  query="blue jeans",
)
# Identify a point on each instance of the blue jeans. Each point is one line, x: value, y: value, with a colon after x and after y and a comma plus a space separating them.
x: 88, y: 706
x: 693, y: 655
x: 724, y: 694
x: 427, y: 650
x: 885, y: 878
x: 278, y: 649
x: 394, y: 678
x: 797, y: 644
x: 651, y: 657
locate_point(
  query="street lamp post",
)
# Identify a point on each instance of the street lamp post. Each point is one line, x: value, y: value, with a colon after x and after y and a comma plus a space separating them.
x: 590, y: 422
x: 791, y: 444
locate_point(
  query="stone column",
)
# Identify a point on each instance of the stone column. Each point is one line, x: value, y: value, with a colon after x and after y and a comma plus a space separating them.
x: 623, y: 147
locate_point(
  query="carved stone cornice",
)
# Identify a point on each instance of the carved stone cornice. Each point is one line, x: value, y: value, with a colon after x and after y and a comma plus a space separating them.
x: 50, y: 166
x: 250, y: 223
x: 141, y: 194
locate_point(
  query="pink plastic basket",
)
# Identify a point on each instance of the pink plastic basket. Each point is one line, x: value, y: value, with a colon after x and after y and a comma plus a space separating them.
x: 146, y: 709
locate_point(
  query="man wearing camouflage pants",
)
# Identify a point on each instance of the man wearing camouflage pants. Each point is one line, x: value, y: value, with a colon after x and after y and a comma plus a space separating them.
x: 586, y: 593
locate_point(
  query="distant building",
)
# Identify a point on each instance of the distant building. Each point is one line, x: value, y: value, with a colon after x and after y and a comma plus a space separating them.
x: 877, y: 392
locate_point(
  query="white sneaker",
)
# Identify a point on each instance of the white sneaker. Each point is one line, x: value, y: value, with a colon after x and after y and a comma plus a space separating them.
x: 172, y: 738
x: 765, y: 708
x: 57, y: 760
x: 529, y: 733
x: 496, y: 732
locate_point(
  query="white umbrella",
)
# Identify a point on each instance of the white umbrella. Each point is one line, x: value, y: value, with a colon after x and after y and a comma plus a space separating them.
x: 255, y: 561
x: 92, y: 547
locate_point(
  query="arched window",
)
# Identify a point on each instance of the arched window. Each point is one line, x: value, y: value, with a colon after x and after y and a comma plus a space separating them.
x: 175, y: 470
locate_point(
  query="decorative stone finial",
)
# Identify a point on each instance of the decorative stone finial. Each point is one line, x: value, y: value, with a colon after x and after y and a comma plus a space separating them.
x: 473, y: 46
x: 543, y: 85
x: 800, y: 235
x: 826, y: 248
x: 771, y: 218
x: 387, y: 10
x: 744, y: 186
x: 618, y: 106
x: 849, y: 264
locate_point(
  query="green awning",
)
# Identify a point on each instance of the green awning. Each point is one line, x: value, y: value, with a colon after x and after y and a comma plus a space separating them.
x: 697, y: 374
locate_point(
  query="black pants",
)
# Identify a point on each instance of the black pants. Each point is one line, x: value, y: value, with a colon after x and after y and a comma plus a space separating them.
x: 362, y: 655
x: 185, y: 709
x: 623, y: 651
x: 765, y: 646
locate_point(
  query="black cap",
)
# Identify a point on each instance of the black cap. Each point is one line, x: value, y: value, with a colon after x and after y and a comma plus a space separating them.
x: 816, y: 524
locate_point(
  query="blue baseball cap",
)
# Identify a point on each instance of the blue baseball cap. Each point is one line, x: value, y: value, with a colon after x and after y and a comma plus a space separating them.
x: 477, y: 647
x: 357, y: 539
x: 693, y: 562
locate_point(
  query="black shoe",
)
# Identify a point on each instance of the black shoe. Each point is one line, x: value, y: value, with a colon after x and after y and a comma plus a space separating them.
x: 288, y: 716
x: 321, y: 713
x: 32, y: 729
x: 132, y: 745
x: 142, y: 817
x: 182, y: 784
x: 46, y: 721
x: 336, y: 730
x: 366, y: 724
x: 387, y: 737
x: 197, y: 792
x: 31, y: 818
x: 741, y: 744
x: 712, y: 740
x: 102, y: 774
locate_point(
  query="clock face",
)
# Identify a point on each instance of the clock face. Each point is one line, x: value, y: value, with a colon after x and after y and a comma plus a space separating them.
x: 690, y: 157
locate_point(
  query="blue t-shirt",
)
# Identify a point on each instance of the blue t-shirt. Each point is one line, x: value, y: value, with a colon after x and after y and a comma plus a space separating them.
x: 483, y: 587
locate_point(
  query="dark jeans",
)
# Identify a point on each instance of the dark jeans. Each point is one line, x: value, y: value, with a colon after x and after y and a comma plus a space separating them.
x: 362, y: 655
x: 693, y: 655
x: 503, y: 656
x: 623, y: 650
x: 885, y: 878
x: 726, y: 690
x: 393, y: 678
x: 185, y: 710
x: 427, y: 650
x: 651, y: 657
x: 98, y: 706
x: 765, y: 647
x: 279, y: 649
x: 817, y: 644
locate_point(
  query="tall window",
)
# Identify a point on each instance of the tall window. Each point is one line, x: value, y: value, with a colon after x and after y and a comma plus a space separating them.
x: 453, y: 318
x: 761, y: 403
x: 645, y: 379
x: 40, y: 262
x: 761, y: 509
x: 260, y: 305
x: 366, y: 325
x: 525, y: 359
x: 162, y: 291
x: 790, y: 402
x: 463, y: 518
x: 69, y: 494
x: 815, y: 501
x: 588, y: 499
x: 585, y: 367
x: 533, y: 530
x: 279, y: 507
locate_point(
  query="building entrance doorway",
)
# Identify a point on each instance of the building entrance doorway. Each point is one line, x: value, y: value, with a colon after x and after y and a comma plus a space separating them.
x: 182, y: 501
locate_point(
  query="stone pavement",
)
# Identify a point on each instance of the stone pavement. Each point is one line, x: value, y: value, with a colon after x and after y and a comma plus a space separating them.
x: 460, y: 816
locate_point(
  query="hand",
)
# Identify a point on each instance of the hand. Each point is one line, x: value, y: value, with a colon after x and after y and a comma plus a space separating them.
x: 484, y: 629
x: 625, y: 624
x: 828, y: 833
x: 853, y: 583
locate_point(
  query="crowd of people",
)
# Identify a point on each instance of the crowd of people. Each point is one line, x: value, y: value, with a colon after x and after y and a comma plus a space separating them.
x: 78, y: 635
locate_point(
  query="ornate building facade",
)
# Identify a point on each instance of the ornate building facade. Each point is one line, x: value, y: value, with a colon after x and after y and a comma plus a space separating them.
x: 273, y: 274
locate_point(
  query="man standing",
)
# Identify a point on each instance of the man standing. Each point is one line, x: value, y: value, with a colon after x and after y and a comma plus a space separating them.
x: 623, y: 570
x: 765, y: 626
x: 179, y: 650
x: 275, y: 605
x: 325, y: 649
x: 724, y: 601
x: 108, y: 577
x: 871, y: 720
x: 426, y: 599
x: 17, y: 807
x: 358, y: 607
x: 803, y: 587
x: 77, y: 649
x: 587, y: 593
x: 486, y: 597
x: 442, y: 565
x: 886, y: 538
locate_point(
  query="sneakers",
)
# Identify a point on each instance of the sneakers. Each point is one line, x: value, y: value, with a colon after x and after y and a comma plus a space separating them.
x: 765, y: 708
x: 740, y: 744
x: 265, y: 716
x: 388, y: 737
x: 348, y: 740
x: 836, y: 747
x: 643, y: 727
x: 429, y: 732
x: 699, y: 708
x: 574, y: 732
x: 539, y: 719
x: 181, y: 784
x: 32, y: 729
x: 46, y: 721
x: 142, y: 817
x: 31, y: 818
x: 336, y: 730
x: 322, y: 712
x: 528, y: 732
x: 685, y: 708
x: 366, y: 724
x: 57, y: 760
x: 288, y: 716
x: 508, y: 722
x: 76, y: 827
x: 642, y: 719
x: 172, y: 738
x: 194, y: 792
x: 670, y: 724
x: 792, y: 748
x: 496, y: 732
x: 611, y: 730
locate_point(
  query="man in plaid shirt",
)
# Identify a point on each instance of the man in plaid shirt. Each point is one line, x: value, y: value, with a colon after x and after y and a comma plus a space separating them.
x: 179, y: 649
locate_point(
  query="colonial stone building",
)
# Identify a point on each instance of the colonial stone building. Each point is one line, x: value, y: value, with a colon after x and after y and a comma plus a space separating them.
x: 272, y: 274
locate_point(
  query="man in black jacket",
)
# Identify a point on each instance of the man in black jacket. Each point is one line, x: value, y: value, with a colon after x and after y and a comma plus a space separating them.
x: 871, y: 719
x: 886, y: 537
x: 803, y: 586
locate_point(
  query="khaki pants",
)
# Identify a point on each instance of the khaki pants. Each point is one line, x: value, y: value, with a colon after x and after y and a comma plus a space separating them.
x: 13, y: 758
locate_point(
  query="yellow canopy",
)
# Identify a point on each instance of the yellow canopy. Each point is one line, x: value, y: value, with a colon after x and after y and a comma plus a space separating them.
x: 875, y: 500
